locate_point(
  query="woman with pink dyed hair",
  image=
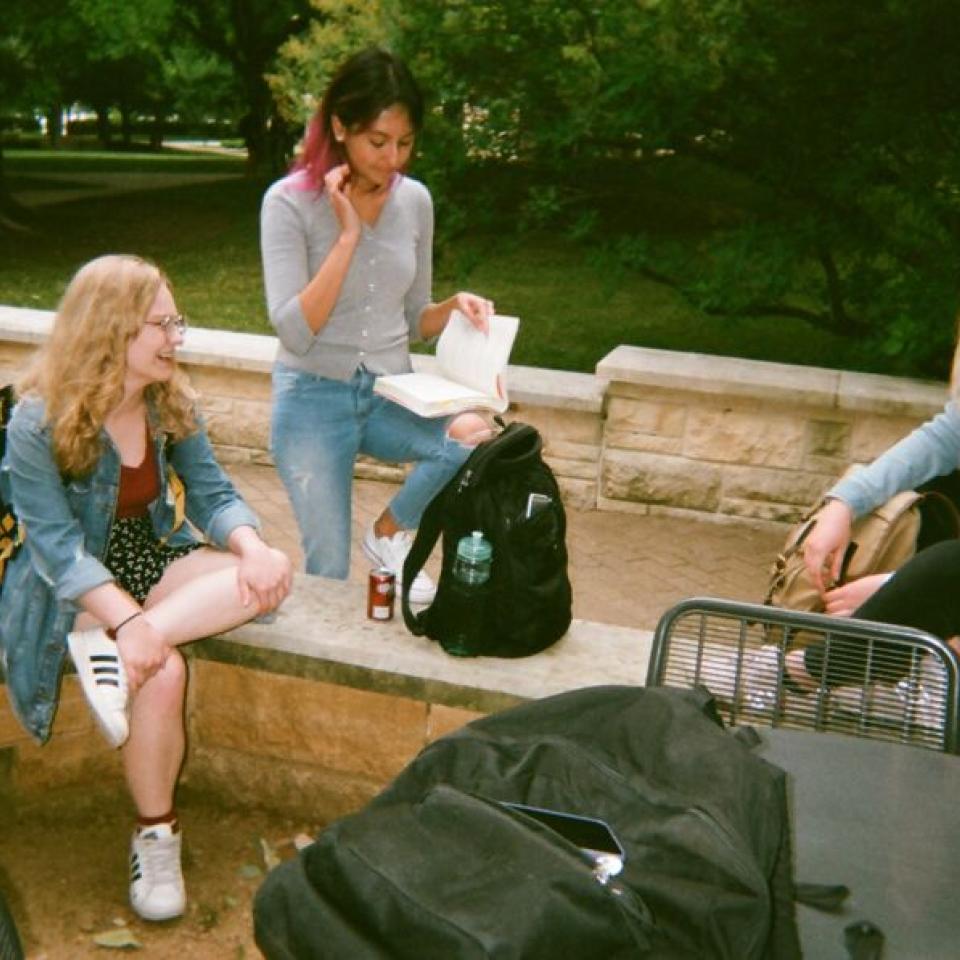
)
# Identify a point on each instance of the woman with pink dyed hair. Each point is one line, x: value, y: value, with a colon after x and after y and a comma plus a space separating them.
x: 347, y: 246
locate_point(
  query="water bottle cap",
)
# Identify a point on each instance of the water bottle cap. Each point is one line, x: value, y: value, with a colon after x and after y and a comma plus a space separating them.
x: 474, y: 548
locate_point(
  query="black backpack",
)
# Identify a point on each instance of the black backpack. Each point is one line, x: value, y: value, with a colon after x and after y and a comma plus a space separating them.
x: 440, y: 866
x: 506, y: 491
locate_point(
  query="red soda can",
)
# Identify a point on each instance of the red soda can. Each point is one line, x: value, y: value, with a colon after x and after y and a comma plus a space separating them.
x: 380, y: 593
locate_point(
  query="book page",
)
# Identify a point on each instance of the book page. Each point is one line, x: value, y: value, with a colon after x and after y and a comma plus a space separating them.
x: 476, y: 359
x: 431, y: 389
x: 428, y: 395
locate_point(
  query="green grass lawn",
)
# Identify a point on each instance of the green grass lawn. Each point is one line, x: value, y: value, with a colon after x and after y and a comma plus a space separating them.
x: 574, y: 309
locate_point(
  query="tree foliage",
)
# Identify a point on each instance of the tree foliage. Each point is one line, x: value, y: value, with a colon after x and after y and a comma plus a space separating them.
x: 764, y: 156
x: 821, y: 137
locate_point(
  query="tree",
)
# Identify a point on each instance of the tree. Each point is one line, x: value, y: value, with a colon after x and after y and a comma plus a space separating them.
x: 247, y: 34
x: 835, y: 127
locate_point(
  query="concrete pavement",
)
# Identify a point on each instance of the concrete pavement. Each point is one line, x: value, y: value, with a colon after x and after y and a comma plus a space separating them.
x: 625, y: 568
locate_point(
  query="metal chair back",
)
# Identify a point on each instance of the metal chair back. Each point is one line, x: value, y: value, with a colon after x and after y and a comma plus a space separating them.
x: 878, y: 681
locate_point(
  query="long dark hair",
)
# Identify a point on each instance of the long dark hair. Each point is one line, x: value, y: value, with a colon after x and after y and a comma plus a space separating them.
x: 363, y: 87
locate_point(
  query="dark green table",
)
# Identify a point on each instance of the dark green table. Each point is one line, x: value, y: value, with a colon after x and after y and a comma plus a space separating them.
x: 883, y: 819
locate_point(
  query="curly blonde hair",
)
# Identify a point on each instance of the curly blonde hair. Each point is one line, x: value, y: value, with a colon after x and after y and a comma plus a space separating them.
x: 79, y: 372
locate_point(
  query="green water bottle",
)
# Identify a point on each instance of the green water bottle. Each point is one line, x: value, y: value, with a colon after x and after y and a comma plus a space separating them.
x: 471, y: 571
x: 474, y: 555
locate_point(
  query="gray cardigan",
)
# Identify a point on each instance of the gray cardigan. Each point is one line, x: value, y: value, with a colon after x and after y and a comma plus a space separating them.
x: 387, y: 285
x: 932, y: 450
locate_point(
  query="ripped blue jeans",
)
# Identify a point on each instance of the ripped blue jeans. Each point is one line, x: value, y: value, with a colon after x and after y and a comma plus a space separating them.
x: 318, y: 426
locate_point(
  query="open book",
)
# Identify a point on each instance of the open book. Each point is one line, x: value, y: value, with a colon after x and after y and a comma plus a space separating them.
x: 471, y: 371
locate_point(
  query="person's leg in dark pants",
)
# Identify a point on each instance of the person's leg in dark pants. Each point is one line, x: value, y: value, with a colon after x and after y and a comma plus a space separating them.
x: 924, y: 594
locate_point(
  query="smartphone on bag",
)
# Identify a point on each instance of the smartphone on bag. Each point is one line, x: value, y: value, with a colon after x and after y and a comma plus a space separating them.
x: 592, y: 835
x: 535, y: 503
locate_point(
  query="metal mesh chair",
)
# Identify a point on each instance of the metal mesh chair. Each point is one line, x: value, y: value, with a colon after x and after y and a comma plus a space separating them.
x: 875, y: 680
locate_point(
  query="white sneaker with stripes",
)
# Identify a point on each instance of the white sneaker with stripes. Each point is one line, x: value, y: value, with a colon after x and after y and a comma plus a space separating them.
x: 103, y: 680
x: 156, y: 881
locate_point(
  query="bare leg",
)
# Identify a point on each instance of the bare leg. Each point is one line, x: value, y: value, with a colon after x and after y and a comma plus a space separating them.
x: 153, y: 754
x: 196, y: 597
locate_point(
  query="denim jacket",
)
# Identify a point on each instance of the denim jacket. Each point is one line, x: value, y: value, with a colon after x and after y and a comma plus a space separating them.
x: 932, y: 450
x: 68, y: 523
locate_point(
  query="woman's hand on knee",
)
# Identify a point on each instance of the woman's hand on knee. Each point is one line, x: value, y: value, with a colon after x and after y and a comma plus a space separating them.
x: 264, y: 576
x: 143, y: 651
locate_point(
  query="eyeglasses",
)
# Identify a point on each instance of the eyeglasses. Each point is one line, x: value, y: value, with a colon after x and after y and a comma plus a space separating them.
x: 168, y: 321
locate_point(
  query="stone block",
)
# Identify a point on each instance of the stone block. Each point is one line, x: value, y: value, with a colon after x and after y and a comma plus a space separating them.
x: 229, y: 382
x: 762, y: 510
x: 245, y: 424
x: 629, y: 417
x: 66, y: 759
x: 566, y: 450
x: 870, y: 436
x: 573, y: 469
x: 831, y: 467
x: 563, y: 426
x: 732, y: 435
x: 296, y: 788
x: 645, y: 443
x: 578, y: 494
x: 442, y: 720
x: 790, y: 487
x: 358, y: 732
x: 650, y: 478
x: 828, y: 438
x: 226, y: 454
x: 73, y: 712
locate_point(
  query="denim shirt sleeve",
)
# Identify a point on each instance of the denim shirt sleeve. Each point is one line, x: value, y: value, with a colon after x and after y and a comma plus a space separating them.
x: 213, y: 504
x: 54, y: 535
x: 932, y: 450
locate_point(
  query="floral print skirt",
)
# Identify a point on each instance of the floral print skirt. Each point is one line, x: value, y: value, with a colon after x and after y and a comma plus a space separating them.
x: 137, y: 558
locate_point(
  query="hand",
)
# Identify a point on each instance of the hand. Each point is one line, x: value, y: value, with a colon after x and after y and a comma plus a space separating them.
x: 476, y: 309
x: 143, y: 651
x: 825, y: 544
x: 843, y: 601
x: 264, y: 576
x: 338, y: 188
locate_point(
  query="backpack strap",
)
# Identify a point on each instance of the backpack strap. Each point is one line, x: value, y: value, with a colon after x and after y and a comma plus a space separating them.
x: 428, y: 532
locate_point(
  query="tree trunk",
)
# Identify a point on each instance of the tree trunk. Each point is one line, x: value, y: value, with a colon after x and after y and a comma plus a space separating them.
x: 103, y: 124
x: 55, y: 124
x: 126, y: 124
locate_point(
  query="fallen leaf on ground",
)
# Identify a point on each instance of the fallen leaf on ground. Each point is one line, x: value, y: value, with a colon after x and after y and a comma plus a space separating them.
x: 119, y: 938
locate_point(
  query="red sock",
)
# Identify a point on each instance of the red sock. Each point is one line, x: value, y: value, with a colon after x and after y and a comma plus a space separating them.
x: 171, y: 818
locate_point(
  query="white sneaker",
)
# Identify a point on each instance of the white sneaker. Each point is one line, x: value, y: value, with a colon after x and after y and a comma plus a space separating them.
x: 919, y: 702
x: 763, y: 679
x: 156, y: 882
x: 390, y: 552
x: 103, y: 681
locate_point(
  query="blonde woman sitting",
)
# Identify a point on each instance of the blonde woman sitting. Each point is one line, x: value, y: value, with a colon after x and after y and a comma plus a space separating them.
x: 108, y: 568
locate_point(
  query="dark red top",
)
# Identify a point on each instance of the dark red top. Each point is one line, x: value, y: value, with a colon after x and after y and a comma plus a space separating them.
x: 139, y: 486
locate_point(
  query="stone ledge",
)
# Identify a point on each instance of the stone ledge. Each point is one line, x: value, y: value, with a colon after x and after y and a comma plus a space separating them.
x: 254, y: 352
x: 322, y: 633
x: 762, y: 380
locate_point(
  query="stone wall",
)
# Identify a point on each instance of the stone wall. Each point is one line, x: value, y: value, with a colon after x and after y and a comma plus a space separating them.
x: 742, y: 440
x: 653, y: 431
x: 710, y: 437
